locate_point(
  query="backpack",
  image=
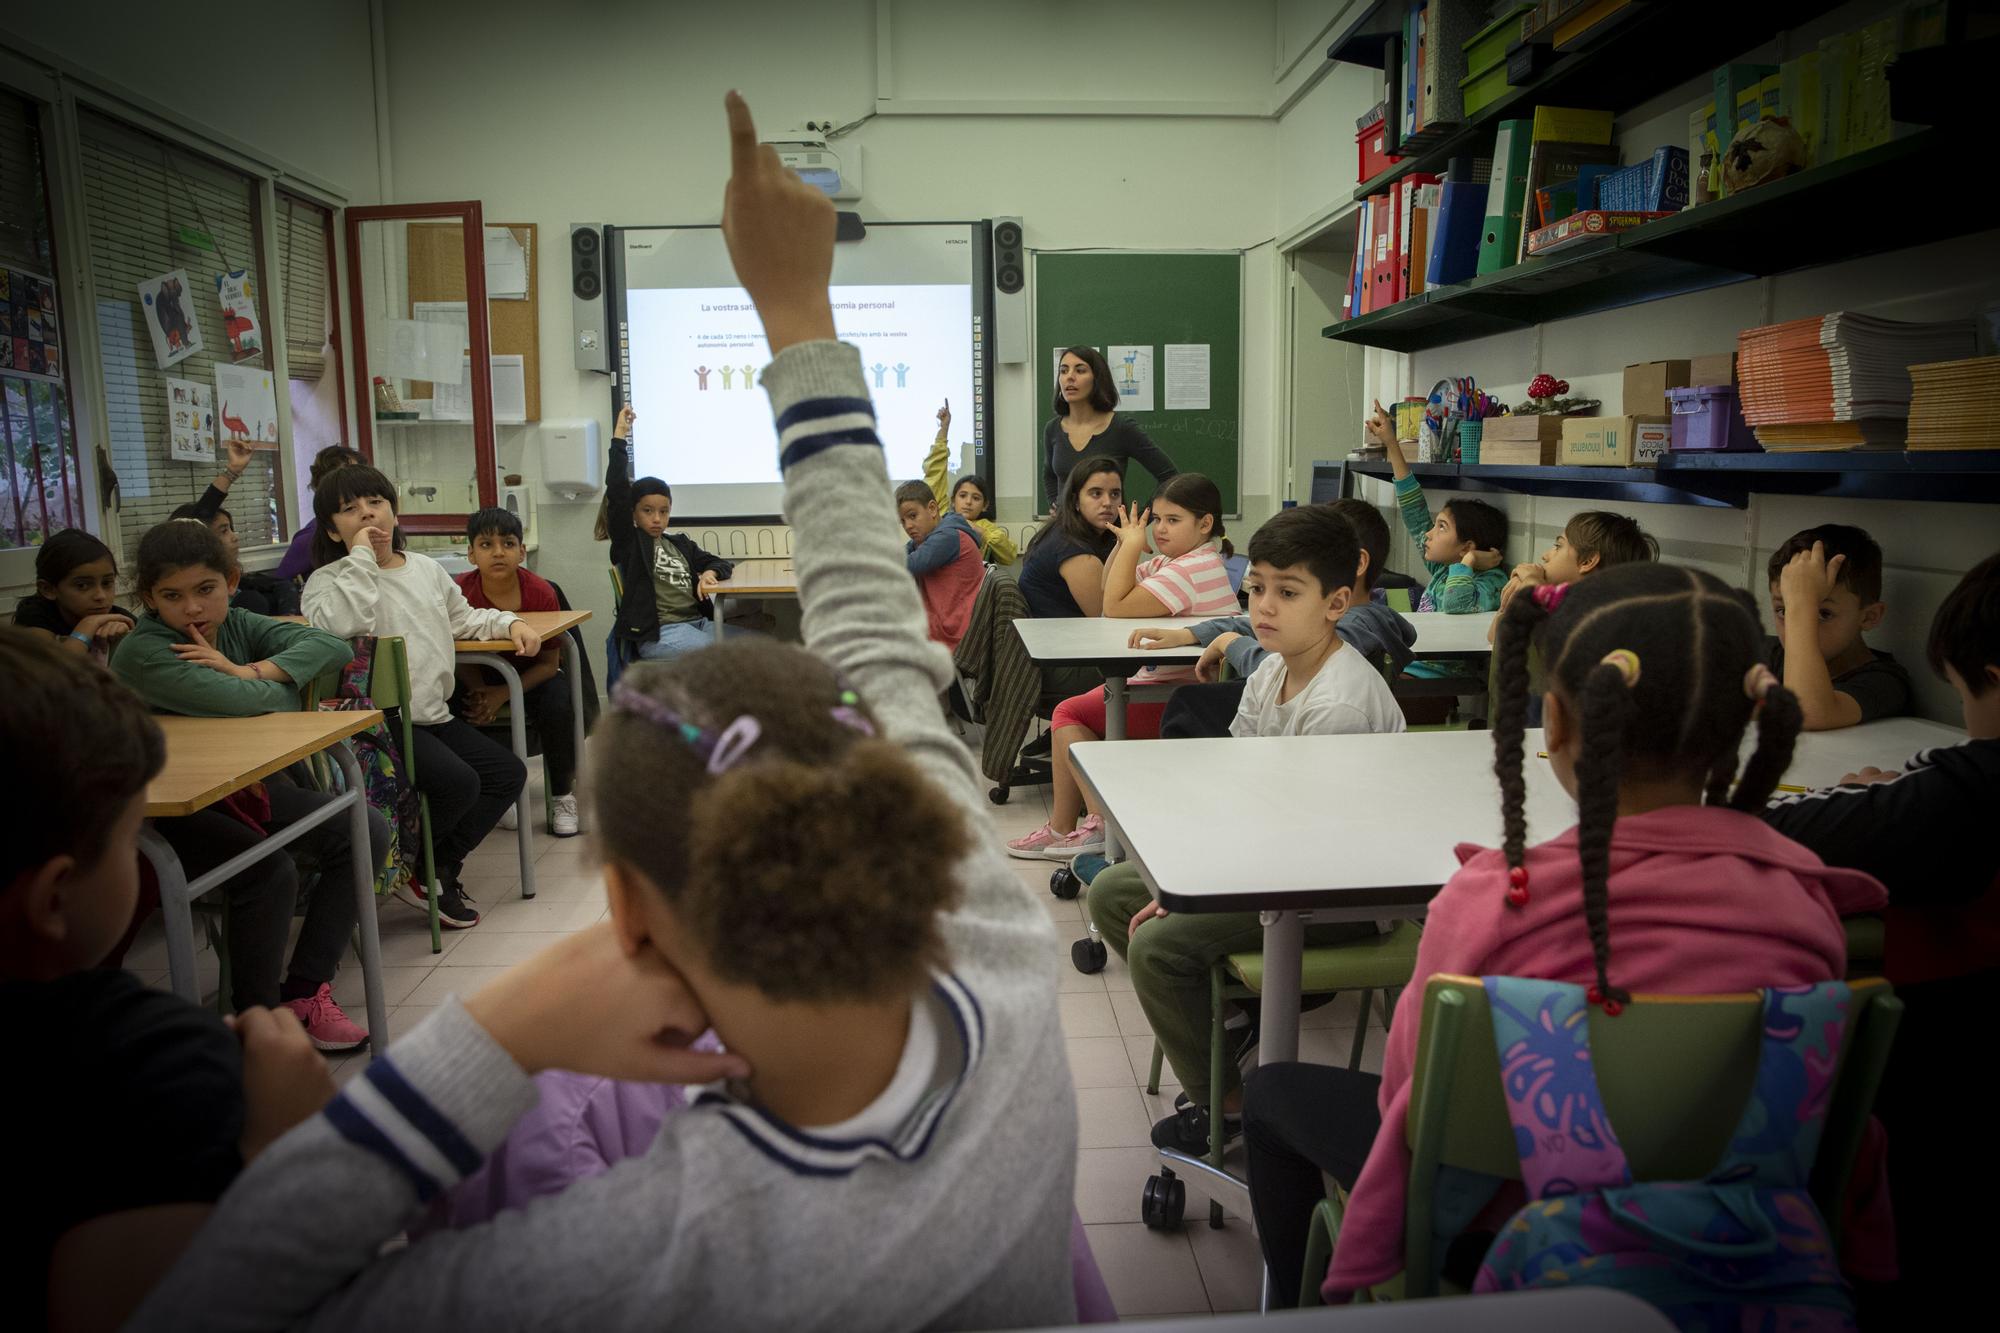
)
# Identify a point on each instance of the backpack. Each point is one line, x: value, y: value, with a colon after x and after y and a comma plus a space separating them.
x: 381, y: 772
x: 1743, y: 1248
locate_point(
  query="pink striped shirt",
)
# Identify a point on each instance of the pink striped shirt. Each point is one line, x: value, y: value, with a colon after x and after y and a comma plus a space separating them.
x: 1195, y: 584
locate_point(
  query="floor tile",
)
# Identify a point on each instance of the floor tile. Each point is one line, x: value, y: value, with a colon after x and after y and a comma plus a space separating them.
x: 1111, y: 1181
x: 1099, y: 1062
x: 1139, y: 1051
x: 513, y: 914
x: 1147, y: 1272
x: 1068, y: 979
x: 1131, y: 1018
x: 397, y: 983
x: 459, y: 981
x: 1117, y: 976
x: 406, y: 936
x: 1111, y: 1118
x: 1231, y: 1265
x: 1086, y: 1015
x: 501, y: 948
x: 579, y: 887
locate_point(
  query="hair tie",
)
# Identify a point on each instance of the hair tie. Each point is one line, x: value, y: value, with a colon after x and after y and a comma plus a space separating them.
x: 1549, y: 596
x: 720, y: 750
x: 1757, y: 682
x: 1627, y: 663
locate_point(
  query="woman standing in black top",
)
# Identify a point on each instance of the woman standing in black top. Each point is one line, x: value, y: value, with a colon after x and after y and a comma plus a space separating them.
x: 1086, y: 424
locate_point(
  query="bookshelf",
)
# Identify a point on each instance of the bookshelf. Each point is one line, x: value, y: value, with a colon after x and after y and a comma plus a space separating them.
x: 1729, y: 480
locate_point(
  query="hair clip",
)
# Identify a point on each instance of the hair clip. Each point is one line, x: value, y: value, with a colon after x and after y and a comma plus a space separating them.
x: 1757, y: 681
x: 1627, y: 663
x: 1549, y: 596
x: 848, y: 713
x: 721, y: 750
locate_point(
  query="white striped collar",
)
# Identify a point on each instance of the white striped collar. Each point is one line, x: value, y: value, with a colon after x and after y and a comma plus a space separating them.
x: 809, y: 1154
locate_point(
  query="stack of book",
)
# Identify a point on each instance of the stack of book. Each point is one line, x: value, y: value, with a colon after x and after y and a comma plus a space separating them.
x: 1955, y: 404
x: 1838, y: 381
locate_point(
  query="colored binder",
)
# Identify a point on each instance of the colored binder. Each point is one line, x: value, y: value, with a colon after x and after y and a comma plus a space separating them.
x: 1379, y: 286
x: 1423, y: 218
x: 1461, y: 219
x: 1500, y: 242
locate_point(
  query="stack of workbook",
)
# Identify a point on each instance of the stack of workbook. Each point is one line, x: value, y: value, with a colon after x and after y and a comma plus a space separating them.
x: 1955, y: 404
x: 1838, y: 381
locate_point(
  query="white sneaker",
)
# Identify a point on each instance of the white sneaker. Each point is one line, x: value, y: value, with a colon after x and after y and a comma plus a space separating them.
x: 562, y: 817
x: 510, y: 818
x: 1087, y: 837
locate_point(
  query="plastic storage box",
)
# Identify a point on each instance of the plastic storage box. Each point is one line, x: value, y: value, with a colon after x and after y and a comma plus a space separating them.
x: 1708, y: 417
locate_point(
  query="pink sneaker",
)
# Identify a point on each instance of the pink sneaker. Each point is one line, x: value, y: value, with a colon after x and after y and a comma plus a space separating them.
x: 1088, y: 837
x: 329, y: 1028
x: 1029, y: 846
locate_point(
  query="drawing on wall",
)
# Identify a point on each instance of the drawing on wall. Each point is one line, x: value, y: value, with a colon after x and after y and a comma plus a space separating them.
x: 176, y: 337
x: 247, y: 405
x: 190, y: 421
x: 30, y: 334
x: 237, y: 294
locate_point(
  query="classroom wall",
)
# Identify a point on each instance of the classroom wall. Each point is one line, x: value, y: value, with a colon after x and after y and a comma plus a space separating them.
x: 641, y: 141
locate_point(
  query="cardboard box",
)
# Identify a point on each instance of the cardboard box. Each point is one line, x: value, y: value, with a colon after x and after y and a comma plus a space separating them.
x: 1706, y: 370
x: 1633, y: 441
x: 1521, y: 441
x: 1646, y: 386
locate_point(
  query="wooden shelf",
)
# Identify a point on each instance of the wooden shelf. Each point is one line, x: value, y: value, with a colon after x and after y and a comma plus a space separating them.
x: 1803, y: 221
x: 1644, y: 51
x: 1722, y: 480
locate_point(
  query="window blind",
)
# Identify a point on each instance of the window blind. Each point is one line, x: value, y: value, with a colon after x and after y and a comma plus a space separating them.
x: 151, y: 208
x: 308, y: 287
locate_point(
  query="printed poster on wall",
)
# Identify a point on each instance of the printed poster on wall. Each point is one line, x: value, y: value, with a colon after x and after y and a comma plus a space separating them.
x: 170, y: 317
x: 237, y: 294
x: 190, y: 421
x: 1132, y: 376
x: 247, y: 405
x: 30, y: 336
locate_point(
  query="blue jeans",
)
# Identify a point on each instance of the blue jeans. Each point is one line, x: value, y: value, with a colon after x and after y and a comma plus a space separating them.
x: 684, y: 636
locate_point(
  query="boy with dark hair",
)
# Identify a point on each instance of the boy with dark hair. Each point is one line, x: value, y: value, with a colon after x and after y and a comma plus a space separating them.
x: 104, y: 1212
x: 944, y: 558
x: 255, y: 591
x: 1302, y: 580
x: 1368, y: 625
x: 667, y: 578
x: 1918, y: 830
x: 496, y: 547
x: 1831, y: 576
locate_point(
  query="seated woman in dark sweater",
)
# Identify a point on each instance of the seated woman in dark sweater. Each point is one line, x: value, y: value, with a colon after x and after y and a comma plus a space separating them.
x: 1086, y: 424
x: 1062, y: 574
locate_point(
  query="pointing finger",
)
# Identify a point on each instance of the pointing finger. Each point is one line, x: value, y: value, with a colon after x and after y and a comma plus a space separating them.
x: 742, y: 135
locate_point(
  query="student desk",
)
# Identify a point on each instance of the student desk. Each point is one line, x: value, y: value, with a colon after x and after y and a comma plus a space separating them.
x: 1443, y: 636
x: 767, y: 577
x: 499, y: 654
x: 209, y: 758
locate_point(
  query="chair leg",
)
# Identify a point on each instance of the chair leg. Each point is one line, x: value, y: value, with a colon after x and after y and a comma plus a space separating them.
x: 1153, y: 1079
x: 1361, y: 1029
x: 1218, y: 1057
x: 430, y: 875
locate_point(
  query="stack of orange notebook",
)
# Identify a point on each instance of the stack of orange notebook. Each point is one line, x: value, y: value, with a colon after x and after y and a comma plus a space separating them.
x: 1956, y: 404
x: 1838, y: 381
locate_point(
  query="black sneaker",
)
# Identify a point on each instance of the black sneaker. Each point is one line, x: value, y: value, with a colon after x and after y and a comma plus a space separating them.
x: 455, y: 909
x: 1186, y: 1131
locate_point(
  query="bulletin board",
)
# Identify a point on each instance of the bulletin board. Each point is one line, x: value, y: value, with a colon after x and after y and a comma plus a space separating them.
x: 1106, y: 299
x: 437, y: 273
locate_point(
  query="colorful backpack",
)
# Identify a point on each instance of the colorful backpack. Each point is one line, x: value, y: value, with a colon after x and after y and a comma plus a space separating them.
x: 1744, y: 1248
x: 381, y: 772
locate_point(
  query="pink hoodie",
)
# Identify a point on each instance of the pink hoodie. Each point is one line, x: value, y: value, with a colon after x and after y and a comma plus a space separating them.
x: 1703, y: 901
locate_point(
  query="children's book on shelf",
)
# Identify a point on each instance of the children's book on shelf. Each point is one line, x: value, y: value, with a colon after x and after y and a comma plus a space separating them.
x: 1569, y: 124
x: 1578, y: 228
x: 1553, y: 160
x: 1798, y: 100
x: 1659, y: 184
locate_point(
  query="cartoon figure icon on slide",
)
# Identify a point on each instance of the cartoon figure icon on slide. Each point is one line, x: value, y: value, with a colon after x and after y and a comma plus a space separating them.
x: 901, y: 371
x: 701, y: 374
x: 749, y: 377
x: 880, y: 370
x: 729, y: 377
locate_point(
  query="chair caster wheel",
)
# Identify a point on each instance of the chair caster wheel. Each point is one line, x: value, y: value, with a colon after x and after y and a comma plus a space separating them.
x: 1064, y: 883
x: 997, y: 795
x: 1089, y: 955
x: 1163, y: 1203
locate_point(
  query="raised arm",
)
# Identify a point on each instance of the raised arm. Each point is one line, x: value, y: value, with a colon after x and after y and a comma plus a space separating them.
x: 1806, y: 581
x: 937, y: 461
x: 618, y: 488
x: 210, y: 503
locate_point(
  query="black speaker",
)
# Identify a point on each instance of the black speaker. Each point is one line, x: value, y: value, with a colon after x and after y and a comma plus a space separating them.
x: 1010, y: 263
x: 586, y: 289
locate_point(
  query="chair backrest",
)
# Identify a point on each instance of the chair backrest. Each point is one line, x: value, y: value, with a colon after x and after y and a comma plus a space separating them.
x: 1674, y: 1070
x: 1238, y: 565
x: 1397, y: 600
x: 389, y: 687
x: 617, y: 588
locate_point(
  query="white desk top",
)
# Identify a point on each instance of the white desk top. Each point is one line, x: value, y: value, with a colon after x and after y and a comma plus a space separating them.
x: 1355, y: 824
x: 1099, y: 641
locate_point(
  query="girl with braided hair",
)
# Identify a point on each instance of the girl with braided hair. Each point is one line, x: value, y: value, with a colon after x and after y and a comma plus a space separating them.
x: 1668, y: 882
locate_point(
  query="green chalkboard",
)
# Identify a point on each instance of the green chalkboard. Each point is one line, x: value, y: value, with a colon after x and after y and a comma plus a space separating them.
x: 1136, y: 299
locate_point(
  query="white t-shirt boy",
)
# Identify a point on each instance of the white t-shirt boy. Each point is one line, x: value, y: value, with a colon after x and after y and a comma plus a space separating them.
x: 1346, y: 696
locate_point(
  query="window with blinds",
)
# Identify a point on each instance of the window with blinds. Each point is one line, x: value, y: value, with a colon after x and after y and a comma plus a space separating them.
x: 151, y: 208
x: 41, y: 484
x: 304, y: 229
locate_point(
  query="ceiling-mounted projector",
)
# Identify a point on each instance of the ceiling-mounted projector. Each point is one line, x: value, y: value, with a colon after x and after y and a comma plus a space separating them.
x: 819, y: 166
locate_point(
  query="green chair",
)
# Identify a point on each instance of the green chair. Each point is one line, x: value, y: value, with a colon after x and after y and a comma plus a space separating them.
x: 1379, y: 963
x: 1675, y: 1071
x: 1397, y: 600
x: 389, y: 687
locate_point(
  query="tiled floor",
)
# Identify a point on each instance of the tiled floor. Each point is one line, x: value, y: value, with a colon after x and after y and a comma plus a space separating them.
x: 1193, y: 1270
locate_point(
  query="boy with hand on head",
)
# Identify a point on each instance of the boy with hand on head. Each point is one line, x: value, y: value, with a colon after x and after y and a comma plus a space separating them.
x: 1917, y: 829
x: 1461, y: 549
x: 1368, y: 625
x: 496, y: 581
x: 101, y: 1211
x: 1826, y: 592
x: 944, y: 559
x: 261, y: 593
x: 1301, y: 583
x: 967, y: 497
x: 667, y: 578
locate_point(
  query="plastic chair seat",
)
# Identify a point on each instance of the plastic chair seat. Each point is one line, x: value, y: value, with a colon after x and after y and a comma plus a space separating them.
x: 1381, y: 962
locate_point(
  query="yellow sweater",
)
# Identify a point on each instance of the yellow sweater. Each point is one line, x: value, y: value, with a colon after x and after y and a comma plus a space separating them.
x: 995, y: 542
